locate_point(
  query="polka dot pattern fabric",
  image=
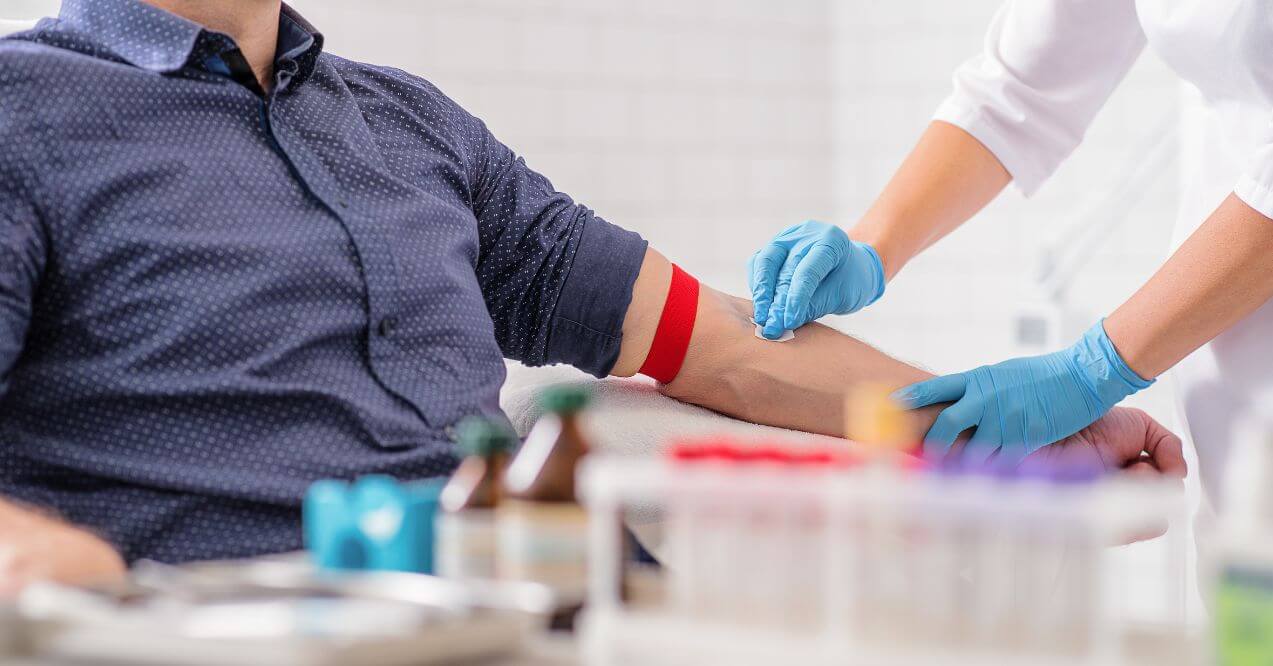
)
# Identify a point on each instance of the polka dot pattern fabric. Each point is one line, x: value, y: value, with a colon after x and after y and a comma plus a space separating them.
x: 210, y: 298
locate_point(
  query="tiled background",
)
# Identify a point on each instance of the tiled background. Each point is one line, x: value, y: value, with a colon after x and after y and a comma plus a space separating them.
x: 708, y: 125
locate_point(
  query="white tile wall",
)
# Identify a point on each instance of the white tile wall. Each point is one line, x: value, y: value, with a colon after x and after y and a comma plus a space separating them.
x: 702, y: 124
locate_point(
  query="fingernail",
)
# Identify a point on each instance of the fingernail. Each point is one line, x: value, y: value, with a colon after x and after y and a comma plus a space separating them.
x: 905, y: 396
x: 773, y: 327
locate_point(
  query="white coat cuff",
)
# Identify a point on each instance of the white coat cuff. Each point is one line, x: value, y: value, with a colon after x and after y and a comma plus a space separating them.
x: 958, y: 112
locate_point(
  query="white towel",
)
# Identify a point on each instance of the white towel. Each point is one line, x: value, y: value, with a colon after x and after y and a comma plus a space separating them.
x: 630, y: 417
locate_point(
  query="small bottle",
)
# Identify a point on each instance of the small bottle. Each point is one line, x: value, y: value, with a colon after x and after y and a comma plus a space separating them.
x: 466, y: 524
x: 542, y: 531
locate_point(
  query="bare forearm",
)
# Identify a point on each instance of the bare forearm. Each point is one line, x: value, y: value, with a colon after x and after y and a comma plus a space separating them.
x: 1220, y: 275
x: 945, y: 180
x: 800, y: 384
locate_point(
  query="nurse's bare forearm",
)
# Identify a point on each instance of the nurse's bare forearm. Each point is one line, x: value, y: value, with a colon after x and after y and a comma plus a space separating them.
x: 1222, y: 273
x: 799, y: 384
x: 943, y: 182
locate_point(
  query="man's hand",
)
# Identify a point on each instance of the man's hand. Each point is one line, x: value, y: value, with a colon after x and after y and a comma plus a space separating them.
x: 35, y: 547
x: 1124, y: 440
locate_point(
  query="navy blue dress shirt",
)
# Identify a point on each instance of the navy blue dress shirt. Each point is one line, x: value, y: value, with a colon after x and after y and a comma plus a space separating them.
x: 211, y: 296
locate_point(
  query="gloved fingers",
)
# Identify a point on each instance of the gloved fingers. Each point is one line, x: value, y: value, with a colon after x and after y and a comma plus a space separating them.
x: 950, y: 422
x: 762, y: 270
x: 812, y: 269
x: 984, y: 443
x: 773, y: 328
x: 947, y: 388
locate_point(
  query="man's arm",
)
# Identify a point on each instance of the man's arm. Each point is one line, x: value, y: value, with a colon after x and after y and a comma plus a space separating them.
x: 801, y: 384
x: 798, y: 384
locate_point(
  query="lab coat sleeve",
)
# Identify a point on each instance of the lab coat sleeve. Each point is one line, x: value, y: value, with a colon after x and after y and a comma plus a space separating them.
x: 1046, y: 69
x: 1255, y: 186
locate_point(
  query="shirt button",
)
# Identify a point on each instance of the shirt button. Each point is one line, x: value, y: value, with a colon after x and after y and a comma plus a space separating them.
x: 387, y: 326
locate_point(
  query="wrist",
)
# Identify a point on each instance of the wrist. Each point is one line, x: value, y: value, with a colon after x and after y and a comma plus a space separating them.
x: 876, y: 270
x: 876, y: 235
x: 1106, y: 371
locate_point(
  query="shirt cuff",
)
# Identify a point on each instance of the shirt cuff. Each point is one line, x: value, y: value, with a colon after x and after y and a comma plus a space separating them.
x: 587, y: 326
x: 1025, y: 175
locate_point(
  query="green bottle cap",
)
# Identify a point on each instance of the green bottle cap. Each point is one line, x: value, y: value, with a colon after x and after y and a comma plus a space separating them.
x: 565, y: 398
x: 485, y: 437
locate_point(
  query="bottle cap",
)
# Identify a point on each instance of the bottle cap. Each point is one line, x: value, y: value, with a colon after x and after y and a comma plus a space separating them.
x: 485, y: 437
x: 565, y: 399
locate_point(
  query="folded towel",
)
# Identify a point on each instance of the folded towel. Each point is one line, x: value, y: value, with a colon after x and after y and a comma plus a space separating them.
x: 630, y: 417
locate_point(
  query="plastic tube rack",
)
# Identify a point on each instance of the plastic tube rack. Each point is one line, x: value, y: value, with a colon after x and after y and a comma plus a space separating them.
x: 812, y: 559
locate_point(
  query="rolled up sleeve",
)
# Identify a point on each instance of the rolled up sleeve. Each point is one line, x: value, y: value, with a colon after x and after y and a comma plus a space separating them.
x: 1255, y: 186
x: 557, y: 279
x: 1045, y: 71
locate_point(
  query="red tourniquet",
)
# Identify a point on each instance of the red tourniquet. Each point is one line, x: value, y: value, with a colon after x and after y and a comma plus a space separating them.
x: 672, y: 338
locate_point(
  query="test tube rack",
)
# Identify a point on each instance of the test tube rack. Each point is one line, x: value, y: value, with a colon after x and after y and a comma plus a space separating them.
x: 812, y: 560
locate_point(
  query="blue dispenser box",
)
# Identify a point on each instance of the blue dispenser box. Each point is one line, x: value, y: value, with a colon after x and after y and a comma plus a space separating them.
x: 375, y: 523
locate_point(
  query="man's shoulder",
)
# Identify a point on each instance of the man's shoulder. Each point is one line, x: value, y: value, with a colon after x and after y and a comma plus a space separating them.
x: 28, y: 58
x: 388, y: 81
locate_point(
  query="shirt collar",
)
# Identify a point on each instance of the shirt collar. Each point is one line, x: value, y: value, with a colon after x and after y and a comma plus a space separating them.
x: 156, y: 40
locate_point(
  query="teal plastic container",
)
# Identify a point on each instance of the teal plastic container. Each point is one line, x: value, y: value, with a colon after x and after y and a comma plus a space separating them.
x: 374, y: 524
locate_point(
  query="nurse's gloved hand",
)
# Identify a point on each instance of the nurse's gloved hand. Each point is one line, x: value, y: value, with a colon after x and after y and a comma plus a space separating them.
x: 1024, y: 404
x: 808, y: 271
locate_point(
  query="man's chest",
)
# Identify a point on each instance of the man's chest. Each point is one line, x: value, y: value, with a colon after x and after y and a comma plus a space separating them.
x: 179, y: 212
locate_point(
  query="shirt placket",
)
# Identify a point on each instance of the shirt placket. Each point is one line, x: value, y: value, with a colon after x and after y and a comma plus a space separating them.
x: 371, y: 243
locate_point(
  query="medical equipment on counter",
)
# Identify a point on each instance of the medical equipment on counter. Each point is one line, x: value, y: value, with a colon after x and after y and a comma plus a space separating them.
x: 279, y: 611
x: 465, y: 534
x: 812, y: 556
x: 541, y: 527
x: 376, y: 523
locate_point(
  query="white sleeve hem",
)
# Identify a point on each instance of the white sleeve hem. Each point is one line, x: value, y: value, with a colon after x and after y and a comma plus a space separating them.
x: 1025, y: 177
x: 1255, y: 194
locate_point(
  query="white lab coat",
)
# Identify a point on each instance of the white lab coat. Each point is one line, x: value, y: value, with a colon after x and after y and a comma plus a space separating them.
x: 1049, y: 65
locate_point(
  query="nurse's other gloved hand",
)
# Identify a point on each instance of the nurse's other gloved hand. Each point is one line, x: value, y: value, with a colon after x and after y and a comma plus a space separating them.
x: 808, y: 271
x: 1024, y: 404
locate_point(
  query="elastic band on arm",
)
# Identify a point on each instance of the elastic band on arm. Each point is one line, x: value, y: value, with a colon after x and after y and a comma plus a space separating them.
x: 672, y: 338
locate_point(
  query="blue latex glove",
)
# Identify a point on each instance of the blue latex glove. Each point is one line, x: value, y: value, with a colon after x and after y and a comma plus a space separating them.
x: 1024, y: 404
x: 808, y: 271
